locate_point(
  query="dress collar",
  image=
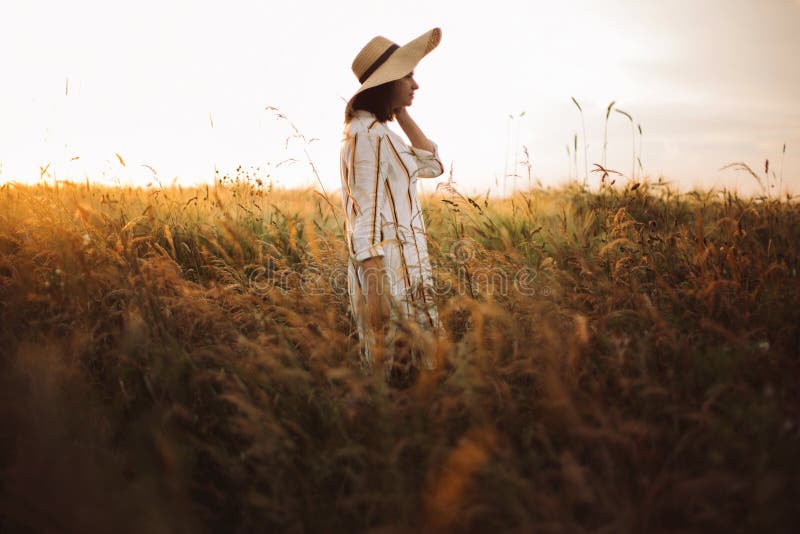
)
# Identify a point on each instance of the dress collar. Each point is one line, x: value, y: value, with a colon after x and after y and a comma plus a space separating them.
x: 363, y: 114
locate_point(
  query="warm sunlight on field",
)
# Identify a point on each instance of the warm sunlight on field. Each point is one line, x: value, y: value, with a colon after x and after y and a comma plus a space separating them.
x: 183, y: 360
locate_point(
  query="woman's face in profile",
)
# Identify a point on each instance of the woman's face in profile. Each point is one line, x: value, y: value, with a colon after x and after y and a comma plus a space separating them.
x: 403, y: 91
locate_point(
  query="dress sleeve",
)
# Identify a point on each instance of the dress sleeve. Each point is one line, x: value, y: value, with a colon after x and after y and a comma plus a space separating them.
x: 429, y: 164
x: 367, y: 170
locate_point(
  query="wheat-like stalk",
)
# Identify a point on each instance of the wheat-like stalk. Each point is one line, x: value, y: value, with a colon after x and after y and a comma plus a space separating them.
x: 633, y: 142
x: 605, y: 130
x: 585, y: 145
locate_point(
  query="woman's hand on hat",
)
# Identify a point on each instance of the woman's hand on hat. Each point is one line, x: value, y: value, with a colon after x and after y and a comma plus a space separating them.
x: 412, y: 131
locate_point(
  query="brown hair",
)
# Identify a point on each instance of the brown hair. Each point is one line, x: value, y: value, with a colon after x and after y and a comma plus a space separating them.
x: 377, y: 100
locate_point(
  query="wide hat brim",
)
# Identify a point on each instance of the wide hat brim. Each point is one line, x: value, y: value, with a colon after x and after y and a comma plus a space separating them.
x: 402, y: 61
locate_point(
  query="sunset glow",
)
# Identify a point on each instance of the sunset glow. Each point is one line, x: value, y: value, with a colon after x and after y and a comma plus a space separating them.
x: 171, y: 91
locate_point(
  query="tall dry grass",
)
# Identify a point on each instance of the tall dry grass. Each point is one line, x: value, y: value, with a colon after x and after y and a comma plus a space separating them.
x: 183, y: 360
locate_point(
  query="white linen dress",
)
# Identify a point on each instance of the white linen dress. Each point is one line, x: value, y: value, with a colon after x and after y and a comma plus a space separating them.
x: 379, y: 172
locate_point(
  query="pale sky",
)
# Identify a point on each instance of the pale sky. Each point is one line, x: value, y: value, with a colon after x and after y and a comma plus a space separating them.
x: 710, y: 81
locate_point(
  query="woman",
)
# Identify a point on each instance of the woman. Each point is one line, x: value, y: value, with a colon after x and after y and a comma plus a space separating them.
x: 389, y: 272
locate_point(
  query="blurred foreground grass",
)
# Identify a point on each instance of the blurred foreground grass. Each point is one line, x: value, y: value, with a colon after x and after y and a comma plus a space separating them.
x: 183, y: 360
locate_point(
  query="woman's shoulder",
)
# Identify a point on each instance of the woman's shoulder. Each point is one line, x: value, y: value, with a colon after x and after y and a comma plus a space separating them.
x: 365, y: 122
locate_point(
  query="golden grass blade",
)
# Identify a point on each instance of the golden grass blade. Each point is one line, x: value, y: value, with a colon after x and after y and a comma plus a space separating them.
x: 625, y: 113
x: 610, y: 106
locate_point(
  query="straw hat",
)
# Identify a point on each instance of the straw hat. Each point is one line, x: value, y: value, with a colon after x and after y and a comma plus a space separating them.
x: 382, y: 61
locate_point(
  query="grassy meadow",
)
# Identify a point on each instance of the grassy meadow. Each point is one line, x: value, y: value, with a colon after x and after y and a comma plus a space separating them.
x: 183, y: 360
